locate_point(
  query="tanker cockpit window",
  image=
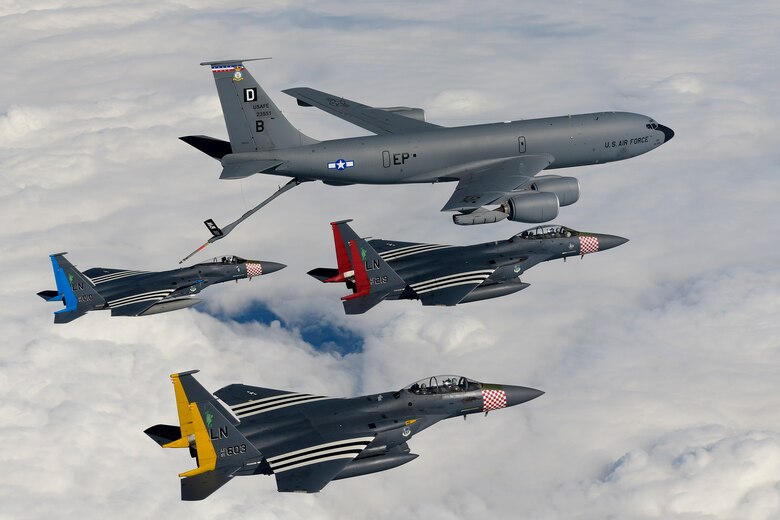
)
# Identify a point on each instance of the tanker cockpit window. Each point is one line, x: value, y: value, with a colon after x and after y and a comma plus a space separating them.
x: 652, y: 125
x: 443, y: 385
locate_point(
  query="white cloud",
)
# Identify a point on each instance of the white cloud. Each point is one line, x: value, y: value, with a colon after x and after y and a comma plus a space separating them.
x: 704, y: 472
x: 657, y: 358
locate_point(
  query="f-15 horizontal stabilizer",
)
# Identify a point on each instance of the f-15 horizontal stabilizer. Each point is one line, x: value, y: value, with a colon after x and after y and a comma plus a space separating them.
x: 163, y: 434
x: 203, y: 485
x: 322, y: 274
x: 48, y: 295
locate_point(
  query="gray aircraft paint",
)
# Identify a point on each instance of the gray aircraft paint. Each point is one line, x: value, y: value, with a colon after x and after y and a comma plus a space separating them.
x: 141, y: 293
x: 308, y: 440
x: 439, y: 274
x: 445, y: 154
x: 492, y: 163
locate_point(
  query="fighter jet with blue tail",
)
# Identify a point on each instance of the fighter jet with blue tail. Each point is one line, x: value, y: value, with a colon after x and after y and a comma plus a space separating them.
x: 141, y: 293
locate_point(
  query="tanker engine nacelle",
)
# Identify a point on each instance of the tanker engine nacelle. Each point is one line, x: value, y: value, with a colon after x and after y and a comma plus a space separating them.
x: 539, y: 204
x: 533, y: 207
x: 567, y: 189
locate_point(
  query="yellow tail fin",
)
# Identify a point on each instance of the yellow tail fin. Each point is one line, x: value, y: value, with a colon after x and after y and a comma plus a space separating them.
x: 207, y: 457
x: 185, y: 415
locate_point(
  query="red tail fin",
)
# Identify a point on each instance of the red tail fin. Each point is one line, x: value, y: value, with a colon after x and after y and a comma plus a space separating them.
x: 342, y: 258
x: 362, y: 285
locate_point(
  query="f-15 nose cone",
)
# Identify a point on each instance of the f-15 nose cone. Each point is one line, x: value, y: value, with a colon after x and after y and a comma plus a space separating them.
x: 668, y: 133
x: 520, y: 394
x: 610, y: 241
x: 271, y: 267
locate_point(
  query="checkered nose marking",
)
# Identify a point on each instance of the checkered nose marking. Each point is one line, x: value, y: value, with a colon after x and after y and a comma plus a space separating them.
x: 253, y: 269
x: 589, y: 245
x: 493, y: 399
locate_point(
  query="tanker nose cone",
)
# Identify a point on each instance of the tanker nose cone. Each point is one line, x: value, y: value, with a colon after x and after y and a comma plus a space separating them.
x: 610, y: 241
x: 668, y: 133
x: 271, y: 267
x: 520, y: 394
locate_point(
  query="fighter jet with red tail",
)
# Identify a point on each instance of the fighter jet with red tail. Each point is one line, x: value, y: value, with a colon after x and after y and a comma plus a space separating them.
x: 437, y: 274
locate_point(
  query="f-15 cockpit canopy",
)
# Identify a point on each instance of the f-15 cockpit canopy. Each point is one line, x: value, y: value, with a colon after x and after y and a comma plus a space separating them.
x: 540, y: 232
x: 443, y: 385
x: 227, y: 260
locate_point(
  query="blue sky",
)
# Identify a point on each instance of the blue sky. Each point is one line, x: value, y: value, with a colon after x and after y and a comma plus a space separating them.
x: 316, y: 331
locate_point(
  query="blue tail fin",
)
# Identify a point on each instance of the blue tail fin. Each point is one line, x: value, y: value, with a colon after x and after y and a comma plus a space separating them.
x: 74, y: 290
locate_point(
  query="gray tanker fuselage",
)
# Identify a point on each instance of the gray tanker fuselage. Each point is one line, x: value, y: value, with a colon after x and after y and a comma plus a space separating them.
x: 445, y: 153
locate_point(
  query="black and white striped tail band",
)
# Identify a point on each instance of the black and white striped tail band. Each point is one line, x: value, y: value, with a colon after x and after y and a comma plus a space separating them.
x: 114, y: 276
x: 136, y: 298
x: 273, y: 403
x: 344, y: 449
x: 395, y: 254
x: 452, y: 280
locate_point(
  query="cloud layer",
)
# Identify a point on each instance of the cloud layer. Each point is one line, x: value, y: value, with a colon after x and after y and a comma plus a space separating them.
x: 658, y: 358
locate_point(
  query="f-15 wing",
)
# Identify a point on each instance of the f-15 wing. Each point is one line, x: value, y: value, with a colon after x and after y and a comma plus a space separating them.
x: 141, y: 303
x: 100, y: 275
x: 449, y: 288
x: 391, y: 250
x: 301, y: 456
x: 309, y: 467
x: 137, y: 304
x: 378, y: 120
x: 491, y: 184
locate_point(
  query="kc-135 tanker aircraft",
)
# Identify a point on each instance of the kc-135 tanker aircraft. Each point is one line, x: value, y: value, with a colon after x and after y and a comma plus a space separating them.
x: 141, y: 293
x: 495, y: 165
x: 437, y: 274
x: 306, y: 440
